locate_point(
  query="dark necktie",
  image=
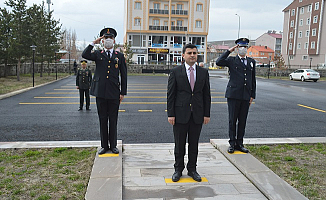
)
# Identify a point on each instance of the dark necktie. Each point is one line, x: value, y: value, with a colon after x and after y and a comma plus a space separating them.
x: 243, y: 61
x: 109, y: 54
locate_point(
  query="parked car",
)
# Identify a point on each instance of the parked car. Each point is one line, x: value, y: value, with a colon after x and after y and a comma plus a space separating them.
x: 305, y: 74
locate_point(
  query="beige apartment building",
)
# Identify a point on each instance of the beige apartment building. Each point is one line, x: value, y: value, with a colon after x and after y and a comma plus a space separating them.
x: 304, y: 34
x: 157, y: 30
x: 271, y: 39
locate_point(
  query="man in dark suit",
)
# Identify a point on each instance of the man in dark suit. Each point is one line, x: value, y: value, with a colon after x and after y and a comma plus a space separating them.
x: 188, y: 107
x: 83, y: 83
x: 107, y: 88
x: 240, y: 91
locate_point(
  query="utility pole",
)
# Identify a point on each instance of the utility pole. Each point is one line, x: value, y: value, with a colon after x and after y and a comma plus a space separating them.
x: 49, y: 3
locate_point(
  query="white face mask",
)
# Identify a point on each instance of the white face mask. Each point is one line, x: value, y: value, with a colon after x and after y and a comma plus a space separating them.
x: 108, y: 43
x: 242, y: 51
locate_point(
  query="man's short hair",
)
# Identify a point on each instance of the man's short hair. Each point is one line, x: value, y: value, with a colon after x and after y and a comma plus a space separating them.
x: 188, y: 46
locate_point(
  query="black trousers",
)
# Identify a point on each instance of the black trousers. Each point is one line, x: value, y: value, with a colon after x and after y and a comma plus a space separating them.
x: 238, y: 112
x: 107, y: 110
x: 83, y: 92
x: 180, y: 134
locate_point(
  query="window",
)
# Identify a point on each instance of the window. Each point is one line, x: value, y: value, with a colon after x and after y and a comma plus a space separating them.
x: 315, y: 19
x: 290, y: 47
x: 312, y: 46
x: 300, y: 0
x: 137, y: 21
x: 307, y: 33
x: 300, y: 34
x: 179, y: 6
x: 292, y: 23
x: 313, y: 32
x: 199, y: 7
x: 198, y: 24
x: 172, y: 23
x: 291, y: 34
x: 293, y: 12
x: 304, y: 58
x: 309, y: 8
x: 137, y: 5
x: 308, y: 21
x: 166, y: 7
x: 301, y: 22
x: 299, y: 45
x: 179, y: 22
x: 156, y: 6
x: 306, y: 45
x: 301, y: 10
x: 156, y: 22
x: 291, y: 57
x: 316, y: 5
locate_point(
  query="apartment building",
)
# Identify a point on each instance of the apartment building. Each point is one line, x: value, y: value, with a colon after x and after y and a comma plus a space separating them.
x: 271, y: 39
x: 157, y: 30
x: 304, y: 35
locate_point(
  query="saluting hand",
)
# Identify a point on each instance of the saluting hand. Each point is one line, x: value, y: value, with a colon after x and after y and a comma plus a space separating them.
x: 98, y: 40
x: 233, y: 48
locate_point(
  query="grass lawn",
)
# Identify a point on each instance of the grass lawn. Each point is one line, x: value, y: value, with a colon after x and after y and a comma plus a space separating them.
x: 53, y: 173
x: 10, y: 83
x: 301, y: 165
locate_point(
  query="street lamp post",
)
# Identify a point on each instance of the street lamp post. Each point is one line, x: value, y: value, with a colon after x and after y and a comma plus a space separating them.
x: 69, y: 63
x: 310, y: 62
x: 33, y: 49
x: 56, y: 66
x: 239, y: 26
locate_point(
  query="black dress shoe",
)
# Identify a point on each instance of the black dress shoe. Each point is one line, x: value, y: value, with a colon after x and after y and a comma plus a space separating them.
x: 115, y: 150
x: 88, y: 109
x: 231, y: 149
x: 176, y: 176
x: 103, y: 151
x: 195, y: 176
x: 80, y: 109
x: 242, y: 149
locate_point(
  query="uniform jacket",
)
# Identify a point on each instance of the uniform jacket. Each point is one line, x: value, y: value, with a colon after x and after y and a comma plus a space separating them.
x: 106, y: 83
x: 84, y: 79
x: 180, y: 98
x: 242, y: 83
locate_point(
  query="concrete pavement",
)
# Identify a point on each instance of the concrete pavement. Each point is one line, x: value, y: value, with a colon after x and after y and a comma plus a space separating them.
x: 143, y: 171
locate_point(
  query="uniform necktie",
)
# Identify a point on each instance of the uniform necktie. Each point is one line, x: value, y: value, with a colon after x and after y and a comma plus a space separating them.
x: 109, y: 54
x: 192, y: 78
x: 243, y: 61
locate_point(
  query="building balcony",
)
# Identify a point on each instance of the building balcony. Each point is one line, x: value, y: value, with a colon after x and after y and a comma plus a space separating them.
x: 179, y: 12
x: 178, y: 28
x: 158, y: 28
x: 158, y: 11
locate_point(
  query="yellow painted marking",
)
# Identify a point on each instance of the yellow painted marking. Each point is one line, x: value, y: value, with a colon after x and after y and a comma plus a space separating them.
x: 146, y: 84
x: 237, y: 152
x: 186, y: 180
x: 217, y: 97
x: 217, y: 92
x: 62, y: 93
x: 108, y: 155
x: 122, y: 110
x: 146, y: 93
x: 312, y: 108
x: 166, y: 110
x: 59, y: 97
x: 64, y: 89
x: 128, y: 103
x: 69, y: 86
x: 145, y: 110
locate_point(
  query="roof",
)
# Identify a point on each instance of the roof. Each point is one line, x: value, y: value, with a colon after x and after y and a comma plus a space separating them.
x: 297, y: 3
x: 263, y: 49
x: 275, y: 35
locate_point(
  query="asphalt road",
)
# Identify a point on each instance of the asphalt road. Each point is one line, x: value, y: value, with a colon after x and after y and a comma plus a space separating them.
x: 282, y: 108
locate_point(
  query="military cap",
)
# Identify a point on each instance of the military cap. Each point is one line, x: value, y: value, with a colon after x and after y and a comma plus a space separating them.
x: 83, y: 62
x: 108, y: 32
x: 242, y: 42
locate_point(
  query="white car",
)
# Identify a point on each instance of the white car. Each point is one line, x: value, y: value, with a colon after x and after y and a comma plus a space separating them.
x: 305, y: 74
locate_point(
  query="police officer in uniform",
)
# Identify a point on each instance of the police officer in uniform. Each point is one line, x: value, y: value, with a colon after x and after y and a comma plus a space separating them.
x: 83, y: 83
x: 106, y: 87
x: 240, y: 91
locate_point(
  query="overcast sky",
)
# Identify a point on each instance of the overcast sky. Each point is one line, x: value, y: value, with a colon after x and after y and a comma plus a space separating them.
x: 88, y: 17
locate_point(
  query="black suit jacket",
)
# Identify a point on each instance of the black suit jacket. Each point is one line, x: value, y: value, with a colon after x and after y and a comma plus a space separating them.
x: 180, y: 98
x: 84, y: 78
x: 242, y: 83
x: 106, y: 83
